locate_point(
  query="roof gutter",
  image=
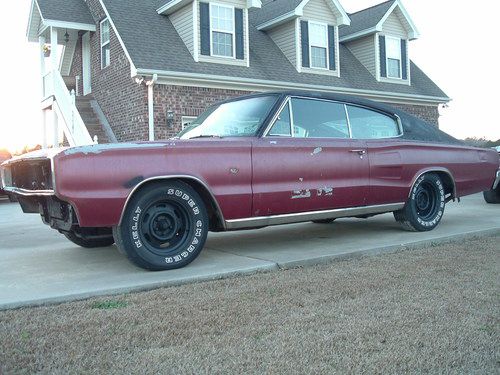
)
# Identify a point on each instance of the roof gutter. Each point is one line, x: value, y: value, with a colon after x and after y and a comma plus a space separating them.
x: 248, y: 84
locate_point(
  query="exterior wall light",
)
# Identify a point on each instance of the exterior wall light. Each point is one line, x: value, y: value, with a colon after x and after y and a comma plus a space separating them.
x: 170, y: 118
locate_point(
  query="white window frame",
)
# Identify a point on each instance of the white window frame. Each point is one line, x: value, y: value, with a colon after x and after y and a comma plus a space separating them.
x: 325, y: 25
x: 212, y: 30
x: 105, y: 43
x: 387, y: 58
x: 187, y: 120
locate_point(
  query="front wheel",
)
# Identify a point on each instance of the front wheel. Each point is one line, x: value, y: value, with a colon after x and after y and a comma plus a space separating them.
x: 425, y: 207
x: 165, y: 226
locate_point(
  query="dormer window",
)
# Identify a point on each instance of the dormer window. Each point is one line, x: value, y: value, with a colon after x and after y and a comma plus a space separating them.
x: 393, y: 48
x: 222, y: 30
x: 318, y: 38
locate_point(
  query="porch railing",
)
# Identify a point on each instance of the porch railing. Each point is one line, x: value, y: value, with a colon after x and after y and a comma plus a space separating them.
x: 64, y: 103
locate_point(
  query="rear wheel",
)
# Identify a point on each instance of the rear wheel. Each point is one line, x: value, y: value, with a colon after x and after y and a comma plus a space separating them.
x: 425, y: 207
x: 492, y: 196
x: 165, y: 226
x: 91, y: 237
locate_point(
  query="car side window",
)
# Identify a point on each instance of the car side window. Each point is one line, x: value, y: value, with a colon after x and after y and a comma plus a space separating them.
x: 282, y: 127
x: 367, y: 124
x: 318, y: 119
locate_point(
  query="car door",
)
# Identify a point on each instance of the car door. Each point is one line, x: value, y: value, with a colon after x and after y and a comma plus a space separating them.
x: 385, y: 150
x: 308, y: 162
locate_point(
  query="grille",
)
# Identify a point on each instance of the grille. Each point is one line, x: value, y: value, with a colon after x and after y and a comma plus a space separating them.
x: 31, y: 175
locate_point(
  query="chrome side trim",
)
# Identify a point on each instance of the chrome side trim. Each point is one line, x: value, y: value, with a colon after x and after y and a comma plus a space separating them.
x: 453, y: 194
x: 29, y: 193
x: 263, y: 221
x: 497, y: 180
x: 171, y: 177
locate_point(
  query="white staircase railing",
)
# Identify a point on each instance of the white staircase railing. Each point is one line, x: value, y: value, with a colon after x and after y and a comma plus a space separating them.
x: 64, y: 103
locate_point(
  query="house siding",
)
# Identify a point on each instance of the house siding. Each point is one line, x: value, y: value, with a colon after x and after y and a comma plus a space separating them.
x: 123, y: 101
x: 364, y: 50
x: 183, y: 23
x: 284, y: 37
x: 393, y: 27
x: 318, y: 10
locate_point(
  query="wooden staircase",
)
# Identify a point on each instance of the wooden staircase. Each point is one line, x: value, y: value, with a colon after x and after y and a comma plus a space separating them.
x: 90, y: 118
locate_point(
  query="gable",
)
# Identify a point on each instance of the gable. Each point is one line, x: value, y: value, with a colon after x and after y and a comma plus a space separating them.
x: 319, y: 10
x: 394, y: 27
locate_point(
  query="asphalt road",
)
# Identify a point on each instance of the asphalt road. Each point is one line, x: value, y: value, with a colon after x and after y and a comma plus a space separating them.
x: 38, y: 265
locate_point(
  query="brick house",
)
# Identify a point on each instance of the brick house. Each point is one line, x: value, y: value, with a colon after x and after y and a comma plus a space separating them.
x: 137, y: 70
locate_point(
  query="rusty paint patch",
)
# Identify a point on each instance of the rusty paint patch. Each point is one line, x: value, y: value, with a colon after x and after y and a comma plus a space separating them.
x: 316, y: 151
x: 234, y: 170
x: 301, y: 194
x: 325, y: 192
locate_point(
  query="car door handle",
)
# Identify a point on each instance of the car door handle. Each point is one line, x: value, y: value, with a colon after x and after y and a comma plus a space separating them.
x: 359, y: 152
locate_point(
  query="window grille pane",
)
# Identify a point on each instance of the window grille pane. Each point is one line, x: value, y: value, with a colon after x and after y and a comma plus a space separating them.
x: 222, y: 44
x: 318, y: 57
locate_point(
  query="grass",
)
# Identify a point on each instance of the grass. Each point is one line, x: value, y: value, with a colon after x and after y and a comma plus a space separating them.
x: 435, y: 310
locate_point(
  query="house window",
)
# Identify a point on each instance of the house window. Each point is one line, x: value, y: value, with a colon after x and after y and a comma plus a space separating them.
x: 105, y: 53
x: 393, y: 56
x: 222, y: 30
x: 318, y: 39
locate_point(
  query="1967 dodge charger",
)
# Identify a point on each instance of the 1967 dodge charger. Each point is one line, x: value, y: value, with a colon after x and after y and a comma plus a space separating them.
x: 255, y: 161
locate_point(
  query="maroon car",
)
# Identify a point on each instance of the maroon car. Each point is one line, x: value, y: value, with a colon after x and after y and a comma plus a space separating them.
x: 260, y: 160
x: 4, y: 155
x: 493, y: 195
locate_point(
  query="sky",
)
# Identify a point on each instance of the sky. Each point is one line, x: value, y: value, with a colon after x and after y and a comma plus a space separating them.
x: 455, y: 48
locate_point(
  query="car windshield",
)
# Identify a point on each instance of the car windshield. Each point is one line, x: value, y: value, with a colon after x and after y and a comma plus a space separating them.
x: 240, y: 118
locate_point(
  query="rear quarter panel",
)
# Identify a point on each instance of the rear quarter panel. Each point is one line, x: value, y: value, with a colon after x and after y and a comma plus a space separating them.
x: 395, y: 165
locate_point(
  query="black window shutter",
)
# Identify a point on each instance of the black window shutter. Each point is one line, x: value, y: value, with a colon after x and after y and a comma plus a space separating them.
x: 238, y: 21
x: 383, y: 68
x: 331, y: 47
x: 304, y: 32
x: 404, y: 72
x: 205, y: 28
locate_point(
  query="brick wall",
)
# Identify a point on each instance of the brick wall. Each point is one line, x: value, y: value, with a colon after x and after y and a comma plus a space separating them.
x: 184, y: 101
x: 122, y: 100
x: 425, y: 112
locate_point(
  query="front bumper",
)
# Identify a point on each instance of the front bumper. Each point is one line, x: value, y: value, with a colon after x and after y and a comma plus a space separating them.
x: 497, y: 180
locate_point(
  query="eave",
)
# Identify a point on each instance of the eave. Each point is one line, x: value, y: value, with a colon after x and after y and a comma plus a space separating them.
x: 248, y: 84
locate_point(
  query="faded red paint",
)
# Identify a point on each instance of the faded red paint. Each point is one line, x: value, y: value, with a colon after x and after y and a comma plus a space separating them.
x: 261, y: 176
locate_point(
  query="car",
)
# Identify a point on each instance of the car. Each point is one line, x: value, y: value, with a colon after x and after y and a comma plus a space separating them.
x: 4, y: 155
x: 250, y: 162
x: 493, y: 195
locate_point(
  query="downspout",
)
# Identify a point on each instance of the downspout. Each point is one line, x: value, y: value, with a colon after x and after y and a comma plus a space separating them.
x: 151, y: 120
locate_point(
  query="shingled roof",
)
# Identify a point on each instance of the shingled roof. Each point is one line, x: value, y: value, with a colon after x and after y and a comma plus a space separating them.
x: 366, y: 19
x: 150, y: 39
x: 63, y: 10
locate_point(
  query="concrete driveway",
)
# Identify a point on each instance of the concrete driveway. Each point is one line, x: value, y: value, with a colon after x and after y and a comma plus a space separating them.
x: 38, y: 265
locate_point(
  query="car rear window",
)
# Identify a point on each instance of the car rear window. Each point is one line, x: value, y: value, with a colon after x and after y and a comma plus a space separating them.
x: 367, y: 124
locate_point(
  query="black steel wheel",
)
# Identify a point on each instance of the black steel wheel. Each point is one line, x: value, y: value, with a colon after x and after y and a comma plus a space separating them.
x: 425, y: 207
x: 164, y: 226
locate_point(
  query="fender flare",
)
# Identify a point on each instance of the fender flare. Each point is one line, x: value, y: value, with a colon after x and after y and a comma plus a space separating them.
x: 435, y: 169
x: 175, y: 177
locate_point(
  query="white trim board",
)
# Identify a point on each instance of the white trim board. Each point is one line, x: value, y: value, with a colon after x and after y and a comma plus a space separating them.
x: 247, y: 84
